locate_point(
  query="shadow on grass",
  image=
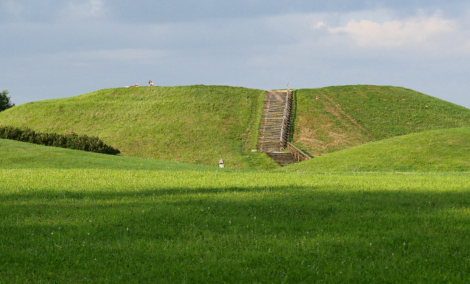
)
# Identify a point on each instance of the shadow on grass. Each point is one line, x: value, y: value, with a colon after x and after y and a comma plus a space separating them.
x: 236, y: 234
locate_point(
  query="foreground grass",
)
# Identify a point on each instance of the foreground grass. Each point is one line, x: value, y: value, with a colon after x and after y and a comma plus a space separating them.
x: 191, y: 124
x: 121, y: 226
x: 431, y: 151
x: 336, y: 118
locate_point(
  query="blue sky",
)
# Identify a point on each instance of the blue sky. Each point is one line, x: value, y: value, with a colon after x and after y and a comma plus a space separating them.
x: 54, y: 49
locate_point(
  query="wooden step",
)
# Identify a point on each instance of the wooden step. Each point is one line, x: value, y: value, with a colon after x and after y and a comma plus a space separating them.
x: 283, y: 159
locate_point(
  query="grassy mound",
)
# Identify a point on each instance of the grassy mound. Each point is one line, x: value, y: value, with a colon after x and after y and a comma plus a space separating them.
x: 438, y: 150
x: 22, y: 155
x: 191, y: 124
x: 201, y: 124
x: 335, y: 118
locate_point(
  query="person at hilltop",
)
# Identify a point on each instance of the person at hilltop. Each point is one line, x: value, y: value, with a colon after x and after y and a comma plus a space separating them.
x: 150, y: 83
x: 136, y: 85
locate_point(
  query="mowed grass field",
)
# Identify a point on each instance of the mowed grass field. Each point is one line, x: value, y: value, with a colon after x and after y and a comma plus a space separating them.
x: 161, y: 226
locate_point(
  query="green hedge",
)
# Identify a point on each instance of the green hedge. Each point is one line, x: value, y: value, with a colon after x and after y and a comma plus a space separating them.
x: 70, y: 141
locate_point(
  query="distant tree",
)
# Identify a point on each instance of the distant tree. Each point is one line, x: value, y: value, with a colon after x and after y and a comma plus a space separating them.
x: 5, y: 101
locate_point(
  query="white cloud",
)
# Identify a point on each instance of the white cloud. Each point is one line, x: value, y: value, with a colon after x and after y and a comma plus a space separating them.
x: 414, y: 31
x: 319, y: 25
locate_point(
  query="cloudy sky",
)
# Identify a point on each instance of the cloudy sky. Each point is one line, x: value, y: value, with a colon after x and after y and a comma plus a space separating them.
x: 53, y: 49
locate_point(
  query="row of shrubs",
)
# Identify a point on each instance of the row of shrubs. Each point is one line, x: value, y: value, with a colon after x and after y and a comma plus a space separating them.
x: 70, y: 141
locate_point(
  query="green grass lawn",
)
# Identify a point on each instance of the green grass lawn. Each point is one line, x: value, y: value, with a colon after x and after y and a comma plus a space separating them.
x: 191, y: 124
x: 22, y: 155
x: 445, y: 150
x: 331, y: 119
x: 141, y: 226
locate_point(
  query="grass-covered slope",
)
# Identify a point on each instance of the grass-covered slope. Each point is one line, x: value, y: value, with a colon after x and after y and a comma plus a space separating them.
x: 192, y: 124
x: 201, y: 124
x: 335, y: 118
x: 437, y: 150
x: 21, y: 155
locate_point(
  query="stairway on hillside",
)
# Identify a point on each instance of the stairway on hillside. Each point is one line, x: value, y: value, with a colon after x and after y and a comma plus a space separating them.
x: 271, y: 122
x: 269, y: 135
x: 283, y: 159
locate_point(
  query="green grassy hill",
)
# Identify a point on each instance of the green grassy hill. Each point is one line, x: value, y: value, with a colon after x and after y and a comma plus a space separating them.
x: 201, y: 124
x: 191, y: 124
x: 437, y: 150
x: 21, y: 155
x: 336, y: 118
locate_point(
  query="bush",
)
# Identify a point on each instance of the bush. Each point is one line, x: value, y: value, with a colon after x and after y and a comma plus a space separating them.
x: 5, y: 101
x: 70, y: 141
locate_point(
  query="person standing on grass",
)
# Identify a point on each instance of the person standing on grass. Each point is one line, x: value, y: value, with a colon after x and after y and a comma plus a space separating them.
x: 150, y: 83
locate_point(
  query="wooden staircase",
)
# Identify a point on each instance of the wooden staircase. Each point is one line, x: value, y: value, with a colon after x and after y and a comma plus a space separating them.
x: 283, y: 159
x: 273, y: 132
x: 269, y: 135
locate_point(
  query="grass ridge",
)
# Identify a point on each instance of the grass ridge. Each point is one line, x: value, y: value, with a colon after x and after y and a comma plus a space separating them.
x: 443, y: 150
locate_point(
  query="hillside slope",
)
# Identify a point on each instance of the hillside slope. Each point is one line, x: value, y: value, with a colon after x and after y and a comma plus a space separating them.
x: 192, y: 124
x: 201, y: 124
x: 437, y: 150
x: 336, y: 118
x: 22, y: 155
